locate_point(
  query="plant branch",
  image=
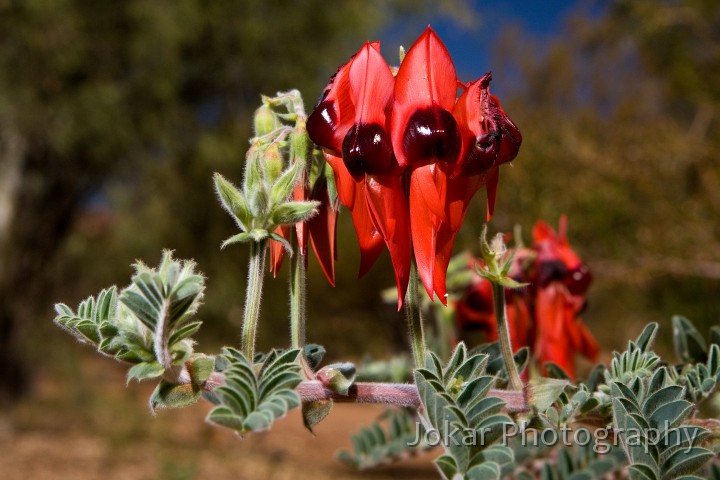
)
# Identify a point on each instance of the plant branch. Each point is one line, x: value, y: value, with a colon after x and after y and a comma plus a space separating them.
x: 399, y: 394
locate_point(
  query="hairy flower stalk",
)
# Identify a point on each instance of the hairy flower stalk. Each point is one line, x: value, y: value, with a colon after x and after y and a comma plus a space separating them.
x: 504, y: 337
x: 253, y: 297
x: 413, y: 315
x: 497, y: 262
x: 297, y: 300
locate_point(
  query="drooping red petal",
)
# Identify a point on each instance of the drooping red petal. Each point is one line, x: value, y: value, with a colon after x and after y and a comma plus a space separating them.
x: 344, y: 182
x: 519, y: 321
x: 553, y: 343
x: 352, y: 194
x: 300, y: 193
x: 277, y: 251
x: 322, y: 229
x: 475, y: 309
x: 422, y: 128
x: 460, y: 191
x: 427, y: 212
x: 587, y: 345
x: 388, y: 204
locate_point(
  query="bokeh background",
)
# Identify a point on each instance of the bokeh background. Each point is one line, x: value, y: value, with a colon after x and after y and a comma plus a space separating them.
x: 113, y: 116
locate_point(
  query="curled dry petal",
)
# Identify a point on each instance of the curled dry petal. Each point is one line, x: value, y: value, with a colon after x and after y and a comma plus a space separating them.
x: 489, y: 137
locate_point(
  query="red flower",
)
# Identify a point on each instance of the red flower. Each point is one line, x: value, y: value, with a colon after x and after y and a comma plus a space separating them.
x: 398, y: 146
x: 545, y: 316
x: 561, y: 283
x: 352, y: 119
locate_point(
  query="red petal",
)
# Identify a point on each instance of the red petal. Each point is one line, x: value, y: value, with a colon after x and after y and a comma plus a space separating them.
x: 475, y: 309
x: 322, y: 228
x: 344, y: 182
x: 588, y: 346
x: 300, y: 193
x: 370, y: 240
x: 489, y: 137
x: 425, y: 85
x: 371, y: 84
x: 553, y: 342
x: 427, y: 211
x: 277, y: 251
x: 460, y: 191
x: 352, y: 194
x: 388, y: 204
x: 367, y: 148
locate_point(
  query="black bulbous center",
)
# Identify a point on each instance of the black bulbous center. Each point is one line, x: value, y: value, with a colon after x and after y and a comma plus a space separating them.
x: 431, y: 134
x: 321, y: 124
x: 578, y: 280
x: 367, y: 149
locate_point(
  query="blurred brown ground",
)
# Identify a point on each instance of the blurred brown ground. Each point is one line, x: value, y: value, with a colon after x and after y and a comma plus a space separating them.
x: 101, y: 429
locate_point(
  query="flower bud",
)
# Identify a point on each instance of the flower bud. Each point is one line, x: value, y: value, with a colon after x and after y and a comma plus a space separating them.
x: 273, y: 162
x: 264, y: 120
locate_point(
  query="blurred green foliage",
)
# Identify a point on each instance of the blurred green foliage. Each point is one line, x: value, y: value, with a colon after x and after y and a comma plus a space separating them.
x: 621, y: 122
x: 113, y: 116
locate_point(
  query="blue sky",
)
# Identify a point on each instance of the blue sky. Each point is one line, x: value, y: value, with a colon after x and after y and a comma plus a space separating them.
x: 470, y: 45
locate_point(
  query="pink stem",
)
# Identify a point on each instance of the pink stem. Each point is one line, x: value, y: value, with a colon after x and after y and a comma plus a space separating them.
x: 400, y: 394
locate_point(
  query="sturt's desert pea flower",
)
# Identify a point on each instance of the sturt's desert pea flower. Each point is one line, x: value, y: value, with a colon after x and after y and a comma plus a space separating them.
x: 545, y: 315
x: 408, y: 156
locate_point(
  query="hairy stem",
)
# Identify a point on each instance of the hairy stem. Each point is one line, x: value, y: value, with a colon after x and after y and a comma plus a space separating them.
x: 414, y: 318
x: 297, y: 299
x: 504, y: 336
x: 399, y: 394
x: 298, y: 282
x: 253, y: 298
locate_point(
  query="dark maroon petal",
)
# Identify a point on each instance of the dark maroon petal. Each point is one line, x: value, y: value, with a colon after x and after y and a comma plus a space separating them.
x: 367, y: 149
x: 431, y: 134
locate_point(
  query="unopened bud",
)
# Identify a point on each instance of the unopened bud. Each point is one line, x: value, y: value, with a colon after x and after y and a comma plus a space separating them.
x: 273, y: 162
x: 300, y: 142
x: 264, y: 120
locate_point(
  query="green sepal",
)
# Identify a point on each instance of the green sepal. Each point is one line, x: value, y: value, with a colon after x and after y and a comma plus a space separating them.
x: 543, y: 392
x: 144, y: 371
x: 232, y: 200
x: 283, y: 241
x: 315, y: 412
x: 242, y: 237
x: 200, y: 368
x: 171, y: 395
x: 291, y: 213
x: 259, y: 234
x: 283, y: 187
